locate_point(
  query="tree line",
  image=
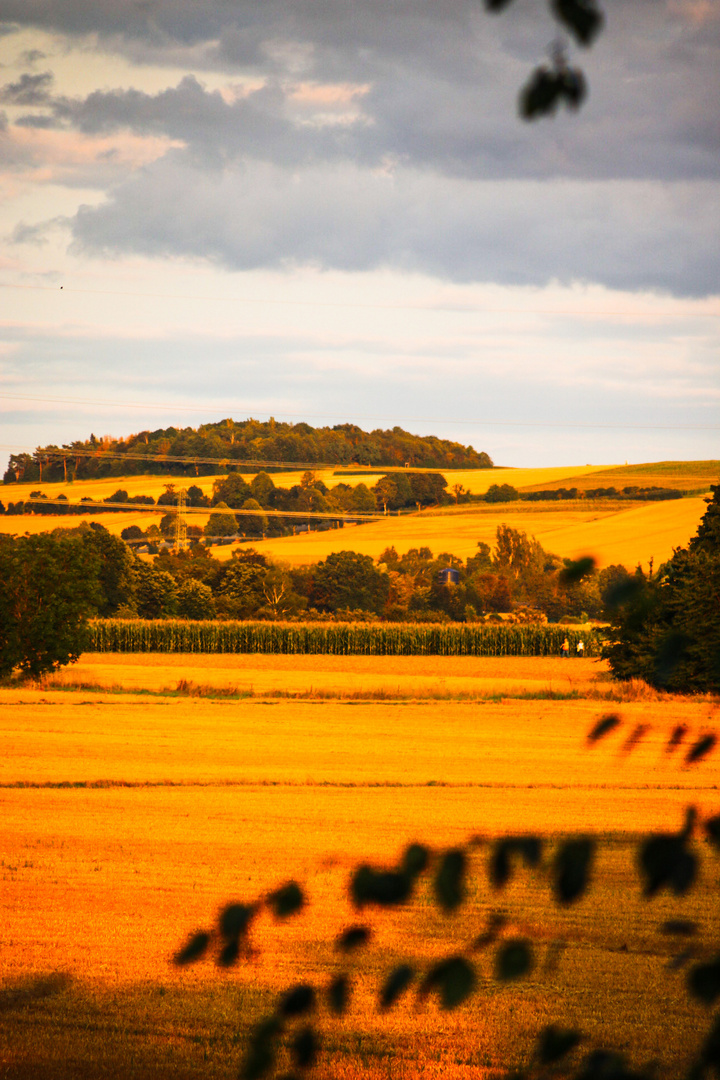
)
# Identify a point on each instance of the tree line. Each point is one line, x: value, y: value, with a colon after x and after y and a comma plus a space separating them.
x: 392, y: 492
x: 664, y: 624
x: 517, y: 578
x: 202, y: 451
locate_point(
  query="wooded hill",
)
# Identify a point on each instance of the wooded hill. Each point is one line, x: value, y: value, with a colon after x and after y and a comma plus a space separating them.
x: 213, y: 448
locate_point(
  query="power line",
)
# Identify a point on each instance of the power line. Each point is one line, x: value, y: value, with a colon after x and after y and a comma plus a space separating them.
x: 251, y: 464
x: 139, y: 508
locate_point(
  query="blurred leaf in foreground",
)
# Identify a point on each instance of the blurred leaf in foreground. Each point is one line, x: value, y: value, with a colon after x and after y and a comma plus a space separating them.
x: 396, y: 983
x: 194, y: 949
x: 260, y: 1057
x: 704, y: 981
x: 603, y: 727
x: 287, y: 900
x: 450, y: 879
x: 338, y: 994
x: 353, y: 938
x: 454, y: 980
x: 555, y: 1043
x: 571, y: 869
x: 514, y: 959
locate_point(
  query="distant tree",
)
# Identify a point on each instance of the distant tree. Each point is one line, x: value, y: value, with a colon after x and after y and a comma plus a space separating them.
x: 480, y: 562
x: 252, y: 524
x: 231, y: 491
x: 132, y: 532
x: 666, y: 625
x: 116, y: 567
x: 262, y: 488
x: 390, y: 557
x: 48, y: 589
x: 281, y: 601
x: 348, y: 580
x: 196, y: 496
x: 363, y: 500
x: 221, y: 524
x: 427, y: 488
x: 195, y: 600
x: 393, y: 492
x: 342, y: 497
x: 241, y: 593
x: 501, y: 493
x: 169, y: 497
x: 167, y: 525
x: 516, y: 553
x: 612, y: 581
x: 155, y: 592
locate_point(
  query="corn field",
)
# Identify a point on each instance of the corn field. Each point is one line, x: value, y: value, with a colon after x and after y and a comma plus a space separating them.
x: 339, y: 639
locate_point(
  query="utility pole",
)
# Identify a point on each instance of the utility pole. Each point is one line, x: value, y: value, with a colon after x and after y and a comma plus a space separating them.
x: 180, y: 523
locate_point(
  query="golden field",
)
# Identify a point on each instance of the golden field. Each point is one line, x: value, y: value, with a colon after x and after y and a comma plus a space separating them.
x: 613, y: 532
x: 478, y: 480
x: 339, y: 676
x: 689, y: 476
x: 629, y: 536
x: 613, y: 535
x: 130, y: 817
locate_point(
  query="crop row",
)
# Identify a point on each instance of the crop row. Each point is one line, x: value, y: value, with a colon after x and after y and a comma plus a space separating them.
x: 340, y: 639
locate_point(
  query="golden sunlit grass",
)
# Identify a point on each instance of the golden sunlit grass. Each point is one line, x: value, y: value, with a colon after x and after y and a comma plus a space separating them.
x: 349, y: 677
x: 681, y: 475
x: 129, y: 820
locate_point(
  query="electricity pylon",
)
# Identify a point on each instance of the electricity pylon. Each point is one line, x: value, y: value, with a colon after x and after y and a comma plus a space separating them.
x: 180, y: 523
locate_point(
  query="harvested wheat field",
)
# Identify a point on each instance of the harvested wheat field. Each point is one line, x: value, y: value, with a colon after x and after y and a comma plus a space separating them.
x: 613, y: 535
x: 129, y: 818
x: 341, y: 677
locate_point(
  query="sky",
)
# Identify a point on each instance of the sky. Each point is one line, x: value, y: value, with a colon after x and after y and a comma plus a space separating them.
x: 329, y: 211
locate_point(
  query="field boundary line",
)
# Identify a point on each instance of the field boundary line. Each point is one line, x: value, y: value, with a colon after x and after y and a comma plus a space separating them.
x: 100, y: 785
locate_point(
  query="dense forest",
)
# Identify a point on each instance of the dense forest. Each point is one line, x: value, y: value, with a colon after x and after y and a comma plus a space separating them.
x: 213, y: 448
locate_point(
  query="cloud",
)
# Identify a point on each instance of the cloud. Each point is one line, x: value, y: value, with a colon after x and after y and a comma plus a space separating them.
x: 33, y: 56
x: 621, y: 234
x: 420, y: 163
x: 28, y: 90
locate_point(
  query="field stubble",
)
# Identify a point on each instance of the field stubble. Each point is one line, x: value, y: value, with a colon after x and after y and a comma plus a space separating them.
x: 182, y: 804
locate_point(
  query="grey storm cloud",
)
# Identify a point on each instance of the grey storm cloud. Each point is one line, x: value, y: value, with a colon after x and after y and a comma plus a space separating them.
x: 429, y: 169
x: 28, y: 90
x: 625, y: 235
